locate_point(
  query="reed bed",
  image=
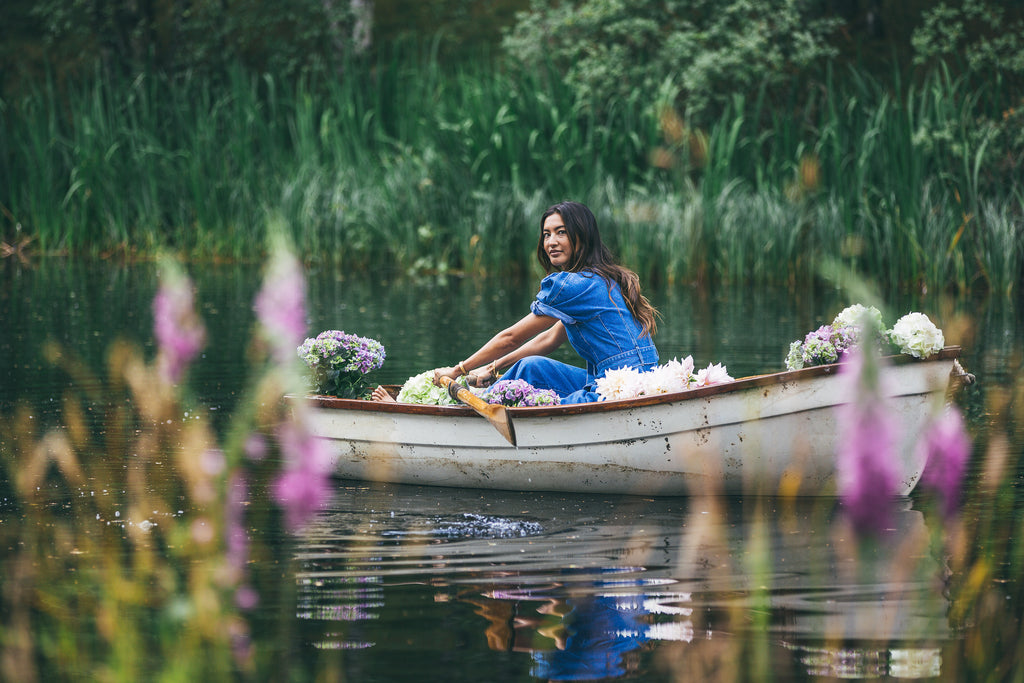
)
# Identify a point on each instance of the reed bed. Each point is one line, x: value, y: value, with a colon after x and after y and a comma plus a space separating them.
x: 412, y: 166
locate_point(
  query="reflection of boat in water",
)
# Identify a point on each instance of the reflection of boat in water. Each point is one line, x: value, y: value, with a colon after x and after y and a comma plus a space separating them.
x: 571, y: 587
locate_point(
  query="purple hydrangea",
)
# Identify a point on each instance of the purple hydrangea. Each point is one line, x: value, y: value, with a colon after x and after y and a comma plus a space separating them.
x: 518, y: 392
x: 335, y: 350
x: 339, y: 361
x: 827, y: 344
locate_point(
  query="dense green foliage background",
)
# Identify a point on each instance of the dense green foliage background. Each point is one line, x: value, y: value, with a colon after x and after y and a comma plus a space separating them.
x: 737, y: 140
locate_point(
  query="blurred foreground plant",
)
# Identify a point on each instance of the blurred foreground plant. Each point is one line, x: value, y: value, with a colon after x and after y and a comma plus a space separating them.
x: 866, y: 462
x: 985, y: 550
x: 134, y: 555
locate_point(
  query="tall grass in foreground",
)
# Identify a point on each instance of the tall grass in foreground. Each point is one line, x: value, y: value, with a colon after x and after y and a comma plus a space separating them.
x: 147, y: 510
x: 135, y: 554
x: 408, y: 165
x: 986, y: 555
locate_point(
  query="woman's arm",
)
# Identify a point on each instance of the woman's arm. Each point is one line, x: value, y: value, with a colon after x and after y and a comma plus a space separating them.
x: 541, y: 345
x: 532, y: 335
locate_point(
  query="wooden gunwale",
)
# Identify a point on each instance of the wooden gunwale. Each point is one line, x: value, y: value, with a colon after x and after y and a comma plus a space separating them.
x: 741, y: 384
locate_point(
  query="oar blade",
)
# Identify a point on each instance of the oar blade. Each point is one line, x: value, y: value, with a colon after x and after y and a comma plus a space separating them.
x: 502, y: 421
x: 495, y: 414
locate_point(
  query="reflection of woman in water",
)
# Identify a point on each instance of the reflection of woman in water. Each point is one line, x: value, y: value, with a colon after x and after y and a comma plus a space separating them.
x: 585, y: 637
x: 600, y: 631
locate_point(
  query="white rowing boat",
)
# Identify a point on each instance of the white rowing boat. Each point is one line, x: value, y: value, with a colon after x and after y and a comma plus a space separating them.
x: 759, y: 434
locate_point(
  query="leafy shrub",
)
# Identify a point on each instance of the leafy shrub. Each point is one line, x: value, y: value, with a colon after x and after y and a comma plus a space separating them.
x: 708, y: 50
x: 982, y: 44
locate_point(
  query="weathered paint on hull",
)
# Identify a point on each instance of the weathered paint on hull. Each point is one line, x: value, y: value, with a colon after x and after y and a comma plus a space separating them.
x: 754, y: 435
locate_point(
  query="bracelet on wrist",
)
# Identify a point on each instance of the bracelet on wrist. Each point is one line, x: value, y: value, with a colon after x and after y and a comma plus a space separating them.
x: 461, y: 367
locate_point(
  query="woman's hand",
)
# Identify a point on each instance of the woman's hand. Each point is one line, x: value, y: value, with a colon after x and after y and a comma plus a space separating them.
x: 480, y: 378
x: 451, y: 373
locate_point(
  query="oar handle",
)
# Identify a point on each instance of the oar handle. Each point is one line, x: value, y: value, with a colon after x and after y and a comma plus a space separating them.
x: 460, y: 393
x: 454, y: 388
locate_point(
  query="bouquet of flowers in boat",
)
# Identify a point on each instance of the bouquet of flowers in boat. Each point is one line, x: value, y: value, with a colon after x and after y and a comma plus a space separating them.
x: 339, y: 362
x: 914, y: 334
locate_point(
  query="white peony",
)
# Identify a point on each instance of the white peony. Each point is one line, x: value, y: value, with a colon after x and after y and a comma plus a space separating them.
x: 682, y: 368
x: 715, y: 373
x: 619, y: 383
x: 665, y: 379
x: 673, y: 376
x: 917, y: 335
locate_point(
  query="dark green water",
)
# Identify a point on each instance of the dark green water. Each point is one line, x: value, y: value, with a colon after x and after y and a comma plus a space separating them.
x: 422, y: 323
x: 406, y: 583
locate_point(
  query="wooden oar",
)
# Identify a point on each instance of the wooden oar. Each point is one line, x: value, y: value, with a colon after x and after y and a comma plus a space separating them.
x: 495, y: 413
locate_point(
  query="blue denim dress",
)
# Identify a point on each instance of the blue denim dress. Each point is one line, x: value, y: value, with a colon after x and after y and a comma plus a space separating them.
x: 599, y: 327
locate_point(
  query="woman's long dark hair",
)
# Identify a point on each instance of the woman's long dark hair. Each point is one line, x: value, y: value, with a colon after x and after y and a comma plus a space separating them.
x: 590, y: 253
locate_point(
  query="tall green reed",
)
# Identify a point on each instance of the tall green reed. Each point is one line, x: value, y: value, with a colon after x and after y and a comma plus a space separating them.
x: 403, y: 163
x: 867, y: 179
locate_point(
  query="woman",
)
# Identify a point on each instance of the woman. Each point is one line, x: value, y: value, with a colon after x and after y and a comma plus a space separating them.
x: 586, y: 299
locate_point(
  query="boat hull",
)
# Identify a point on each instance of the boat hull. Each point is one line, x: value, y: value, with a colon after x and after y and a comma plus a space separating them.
x: 768, y: 434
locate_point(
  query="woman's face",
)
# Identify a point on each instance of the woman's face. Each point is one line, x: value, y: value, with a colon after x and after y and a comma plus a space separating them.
x: 557, y: 244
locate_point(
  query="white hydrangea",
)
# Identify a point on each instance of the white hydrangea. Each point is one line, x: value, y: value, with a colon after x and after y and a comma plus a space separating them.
x: 856, y: 315
x: 795, y: 357
x: 917, y: 335
x: 421, y: 389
